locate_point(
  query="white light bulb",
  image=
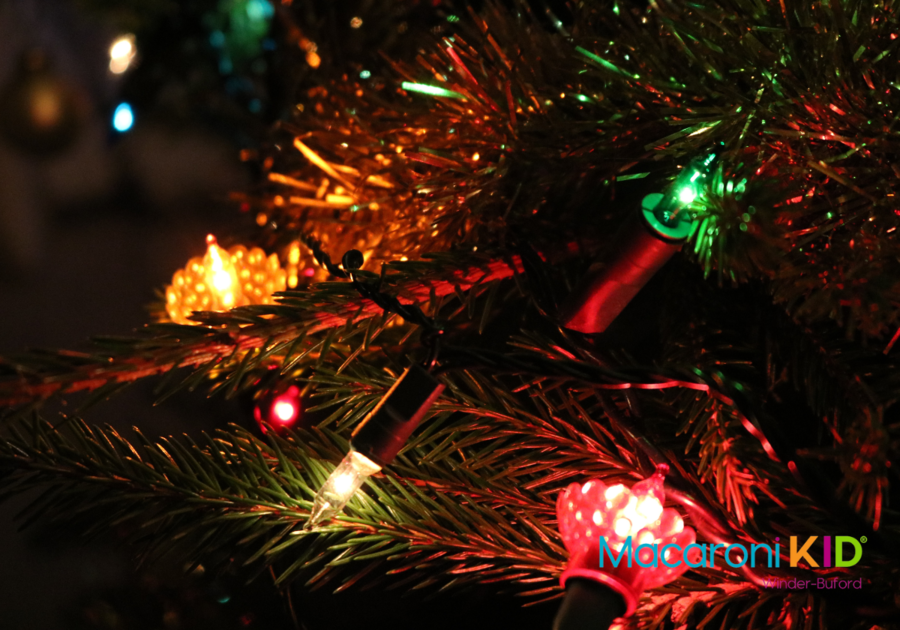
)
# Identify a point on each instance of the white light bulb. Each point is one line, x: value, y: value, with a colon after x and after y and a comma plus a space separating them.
x: 343, y: 484
x: 121, y: 54
x: 121, y: 48
x: 340, y: 487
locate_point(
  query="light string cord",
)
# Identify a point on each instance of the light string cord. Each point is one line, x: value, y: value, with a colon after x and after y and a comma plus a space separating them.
x: 432, y: 331
x: 604, y: 378
x: 714, y: 384
x: 321, y: 256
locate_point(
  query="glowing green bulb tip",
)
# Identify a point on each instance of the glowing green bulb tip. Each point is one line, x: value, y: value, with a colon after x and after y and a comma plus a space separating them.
x: 431, y: 90
x: 686, y: 195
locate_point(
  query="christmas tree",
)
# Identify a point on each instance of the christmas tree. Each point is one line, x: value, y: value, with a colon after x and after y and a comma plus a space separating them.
x: 457, y: 283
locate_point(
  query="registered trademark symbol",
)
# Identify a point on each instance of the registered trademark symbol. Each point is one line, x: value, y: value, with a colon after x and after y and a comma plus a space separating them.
x: 863, y: 539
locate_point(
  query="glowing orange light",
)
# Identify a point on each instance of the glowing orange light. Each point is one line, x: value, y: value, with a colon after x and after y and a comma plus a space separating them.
x: 220, y: 275
x: 223, y: 279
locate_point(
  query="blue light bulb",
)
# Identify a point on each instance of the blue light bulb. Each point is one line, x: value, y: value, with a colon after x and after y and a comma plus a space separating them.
x: 123, y: 118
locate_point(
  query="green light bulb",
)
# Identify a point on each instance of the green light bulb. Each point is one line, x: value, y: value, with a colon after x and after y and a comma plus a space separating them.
x: 670, y: 210
x: 687, y: 194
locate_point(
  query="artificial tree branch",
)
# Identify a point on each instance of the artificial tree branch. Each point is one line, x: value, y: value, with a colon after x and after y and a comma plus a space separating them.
x: 270, y: 329
x: 255, y: 490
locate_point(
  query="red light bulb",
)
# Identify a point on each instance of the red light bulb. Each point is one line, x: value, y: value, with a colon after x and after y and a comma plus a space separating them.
x: 282, y: 411
x: 593, y: 511
x: 285, y: 411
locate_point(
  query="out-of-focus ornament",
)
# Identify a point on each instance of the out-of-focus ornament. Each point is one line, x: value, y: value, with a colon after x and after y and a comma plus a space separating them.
x: 123, y: 118
x: 122, y: 53
x: 600, y: 524
x: 646, y: 241
x: 222, y: 280
x: 279, y: 410
x: 238, y: 31
x: 39, y: 111
x: 301, y: 267
x: 377, y: 440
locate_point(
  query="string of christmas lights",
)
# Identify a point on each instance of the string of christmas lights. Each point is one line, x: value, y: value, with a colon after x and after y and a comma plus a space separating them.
x: 501, y: 135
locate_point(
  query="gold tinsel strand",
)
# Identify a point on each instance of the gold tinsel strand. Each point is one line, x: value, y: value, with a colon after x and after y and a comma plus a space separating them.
x: 223, y: 279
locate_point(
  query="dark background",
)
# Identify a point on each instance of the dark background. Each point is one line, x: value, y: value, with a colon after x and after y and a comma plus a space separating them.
x: 87, y: 232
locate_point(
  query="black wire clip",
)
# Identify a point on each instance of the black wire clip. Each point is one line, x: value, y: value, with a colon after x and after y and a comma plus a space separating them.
x: 432, y: 331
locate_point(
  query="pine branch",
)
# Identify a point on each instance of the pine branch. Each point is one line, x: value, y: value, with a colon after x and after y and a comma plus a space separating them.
x: 845, y: 386
x: 226, y: 338
x: 530, y: 132
x: 243, y: 493
x: 849, y: 388
x: 239, y: 492
x: 803, y: 196
x: 551, y: 432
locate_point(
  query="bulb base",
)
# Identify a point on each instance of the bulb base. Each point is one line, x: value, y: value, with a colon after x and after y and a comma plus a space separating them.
x: 645, y: 245
x: 588, y: 605
x: 385, y: 430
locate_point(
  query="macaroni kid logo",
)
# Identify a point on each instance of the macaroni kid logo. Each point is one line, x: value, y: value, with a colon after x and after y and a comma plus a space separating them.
x: 843, y: 551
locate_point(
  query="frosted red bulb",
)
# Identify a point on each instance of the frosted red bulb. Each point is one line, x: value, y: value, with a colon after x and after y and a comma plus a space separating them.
x: 595, y: 518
